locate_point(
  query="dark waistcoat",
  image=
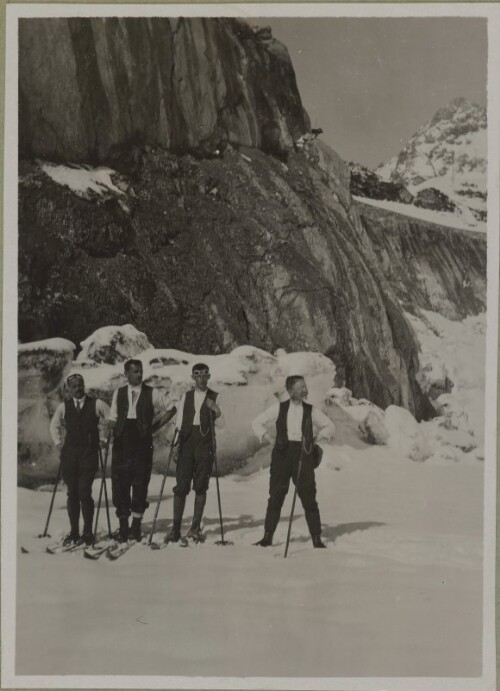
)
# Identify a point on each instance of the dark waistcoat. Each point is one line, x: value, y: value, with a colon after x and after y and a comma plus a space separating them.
x: 144, y: 411
x: 188, y: 413
x: 281, y: 425
x: 82, y: 428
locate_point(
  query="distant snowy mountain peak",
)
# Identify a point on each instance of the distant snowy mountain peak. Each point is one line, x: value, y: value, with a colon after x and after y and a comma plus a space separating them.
x: 448, y: 153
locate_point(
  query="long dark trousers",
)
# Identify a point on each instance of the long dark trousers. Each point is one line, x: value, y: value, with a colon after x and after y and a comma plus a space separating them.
x: 194, y: 464
x: 284, y: 467
x: 79, y: 468
x: 131, y: 471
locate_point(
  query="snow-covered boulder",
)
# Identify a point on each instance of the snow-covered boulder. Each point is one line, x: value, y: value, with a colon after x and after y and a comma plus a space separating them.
x: 42, y: 366
x: 405, y: 434
x: 434, y: 380
x: 341, y: 396
x: 42, y: 369
x: 373, y: 429
x: 113, y: 344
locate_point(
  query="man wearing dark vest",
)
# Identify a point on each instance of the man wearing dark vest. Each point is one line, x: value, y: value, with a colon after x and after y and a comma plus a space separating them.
x: 197, y: 411
x: 135, y: 410
x: 77, y: 421
x: 298, y: 426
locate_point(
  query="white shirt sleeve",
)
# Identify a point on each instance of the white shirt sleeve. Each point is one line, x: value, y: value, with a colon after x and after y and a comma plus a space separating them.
x: 259, y: 425
x: 113, y: 413
x: 57, y: 425
x: 102, y: 410
x: 180, y: 410
x: 324, y: 428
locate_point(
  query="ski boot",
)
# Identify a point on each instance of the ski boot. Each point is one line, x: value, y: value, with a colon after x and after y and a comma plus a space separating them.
x: 317, y: 542
x: 174, y: 535
x: 135, y: 529
x: 266, y: 541
x: 87, y: 538
x: 124, y: 530
x: 71, y: 538
x: 195, y: 534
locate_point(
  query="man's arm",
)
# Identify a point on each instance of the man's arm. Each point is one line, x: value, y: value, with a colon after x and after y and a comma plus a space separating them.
x: 215, y: 408
x: 57, y: 426
x: 164, y: 410
x: 324, y: 428
x: 113, y: 413
x: 259, y: 425
x: 102, y: 411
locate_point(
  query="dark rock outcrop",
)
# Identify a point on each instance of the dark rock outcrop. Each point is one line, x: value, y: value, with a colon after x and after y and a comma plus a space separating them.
x: 366, y: 183
x: 431, y: 198
x: 90, y: 88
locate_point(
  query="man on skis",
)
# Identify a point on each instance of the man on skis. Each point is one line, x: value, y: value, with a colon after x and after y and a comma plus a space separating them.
x: 136, y: 411
x: 197, y: 411
x: 75, y: 432
x: 298, y: 426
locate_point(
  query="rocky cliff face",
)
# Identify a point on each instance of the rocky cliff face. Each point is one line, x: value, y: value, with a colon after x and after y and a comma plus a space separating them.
x: 209, y: 231
x: 429, y: 266
x: 90, y: 88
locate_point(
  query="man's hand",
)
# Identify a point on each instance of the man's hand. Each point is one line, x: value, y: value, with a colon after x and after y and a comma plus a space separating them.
x: 212, y: 405
x: 111, y: 424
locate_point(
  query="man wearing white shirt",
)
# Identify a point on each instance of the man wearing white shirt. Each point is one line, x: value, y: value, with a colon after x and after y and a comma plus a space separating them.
x: 298, y: 426
x: 75, y: 432
x: 134, y: 409
x: 197, y: 410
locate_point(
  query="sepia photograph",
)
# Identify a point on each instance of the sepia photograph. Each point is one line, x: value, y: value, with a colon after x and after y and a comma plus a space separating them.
x: 250, y: 322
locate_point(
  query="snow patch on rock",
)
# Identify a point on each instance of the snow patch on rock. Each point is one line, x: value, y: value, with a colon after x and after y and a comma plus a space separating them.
x: 83, y: 180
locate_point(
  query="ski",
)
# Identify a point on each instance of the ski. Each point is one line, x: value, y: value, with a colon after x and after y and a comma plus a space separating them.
x: 116, y: 551
x: 96, y: 551
x: 59, y: 548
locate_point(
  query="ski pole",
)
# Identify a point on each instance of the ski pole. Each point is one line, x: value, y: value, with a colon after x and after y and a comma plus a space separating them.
x: 45, y: 534
x: 103, y: 487
x: 103, y: 470
x: 214, y: 444
x: 174, y: 438
x: 294, y: 498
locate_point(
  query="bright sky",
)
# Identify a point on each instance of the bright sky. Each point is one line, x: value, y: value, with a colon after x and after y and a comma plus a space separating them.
x: 370, y: 83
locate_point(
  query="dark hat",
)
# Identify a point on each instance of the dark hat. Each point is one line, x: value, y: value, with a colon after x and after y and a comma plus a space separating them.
x: 74, y: 376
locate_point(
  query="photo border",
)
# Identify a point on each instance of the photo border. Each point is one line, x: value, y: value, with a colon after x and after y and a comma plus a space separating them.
x: 15, y: 11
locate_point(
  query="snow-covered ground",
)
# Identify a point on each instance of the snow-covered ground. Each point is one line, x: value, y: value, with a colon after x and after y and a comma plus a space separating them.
x: 397, y: 592
x: 456, y: 219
